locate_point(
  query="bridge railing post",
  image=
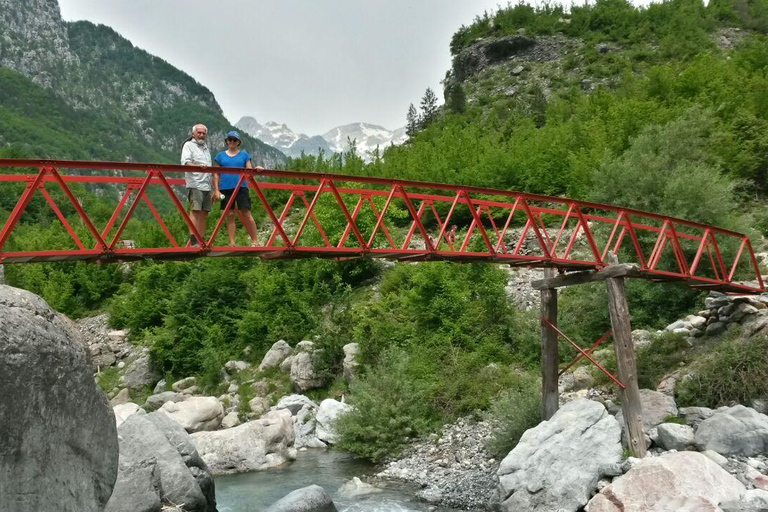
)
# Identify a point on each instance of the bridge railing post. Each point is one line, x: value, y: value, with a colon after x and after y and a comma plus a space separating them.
x: 550, y: 396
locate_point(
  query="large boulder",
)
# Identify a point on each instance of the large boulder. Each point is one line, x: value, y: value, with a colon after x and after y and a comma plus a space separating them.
x: 680, y: 481
x: 256, y: 445
x: 304, y: 375
x: 275, y: 355
x: 141, y: 373
x: 58, y: 441
x: 736, y: 430
x: 308, y: 499
x: 557, y: 464
x: 657, y: 407
x: 160, y: 466
x: 196, y: 413
x: 328, y: 413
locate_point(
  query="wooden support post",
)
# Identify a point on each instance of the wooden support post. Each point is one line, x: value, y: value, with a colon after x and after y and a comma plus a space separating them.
x: 549, y: 356
x: 2, y: 274
x: 625, y: 363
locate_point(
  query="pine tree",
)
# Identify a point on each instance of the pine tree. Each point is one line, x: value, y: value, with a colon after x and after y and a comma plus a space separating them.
x: 457, y: 98
x: 428, y: 108
x: 412, y: 121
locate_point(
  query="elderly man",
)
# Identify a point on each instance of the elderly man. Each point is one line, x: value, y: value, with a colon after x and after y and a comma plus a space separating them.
x: 195, y: 152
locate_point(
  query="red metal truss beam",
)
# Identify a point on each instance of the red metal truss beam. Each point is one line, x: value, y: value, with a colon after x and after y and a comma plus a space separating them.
x: 503, y: 226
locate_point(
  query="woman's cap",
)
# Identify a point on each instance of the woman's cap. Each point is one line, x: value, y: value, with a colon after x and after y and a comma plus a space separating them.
x: 234, y: 135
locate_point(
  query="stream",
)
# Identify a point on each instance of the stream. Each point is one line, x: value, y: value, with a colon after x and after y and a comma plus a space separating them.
x: 256, y: 491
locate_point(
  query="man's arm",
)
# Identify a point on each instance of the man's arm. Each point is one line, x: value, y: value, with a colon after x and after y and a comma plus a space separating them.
x: 216, y: 178
x: 186, y: 155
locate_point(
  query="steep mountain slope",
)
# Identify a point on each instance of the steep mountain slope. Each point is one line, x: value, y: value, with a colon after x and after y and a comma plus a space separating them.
x: 98, y: 73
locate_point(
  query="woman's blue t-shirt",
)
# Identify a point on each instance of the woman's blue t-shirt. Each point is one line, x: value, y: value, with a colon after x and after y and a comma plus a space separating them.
x: 229, y: 181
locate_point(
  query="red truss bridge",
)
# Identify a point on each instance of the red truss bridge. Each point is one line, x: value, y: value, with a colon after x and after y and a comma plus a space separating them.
x: 303, y: 214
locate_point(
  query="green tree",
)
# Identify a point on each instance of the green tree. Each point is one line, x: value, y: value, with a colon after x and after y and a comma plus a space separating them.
x: 429, y: 108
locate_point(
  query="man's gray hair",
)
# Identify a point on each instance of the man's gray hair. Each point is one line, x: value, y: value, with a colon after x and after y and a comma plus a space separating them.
x: 194, y: 128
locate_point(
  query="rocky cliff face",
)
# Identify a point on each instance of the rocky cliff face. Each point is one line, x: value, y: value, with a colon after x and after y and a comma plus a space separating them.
x: 92, y: 68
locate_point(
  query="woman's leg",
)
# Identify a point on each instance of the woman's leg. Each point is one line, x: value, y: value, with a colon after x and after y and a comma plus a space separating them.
x: 250, y: 225
x: 231, y: 227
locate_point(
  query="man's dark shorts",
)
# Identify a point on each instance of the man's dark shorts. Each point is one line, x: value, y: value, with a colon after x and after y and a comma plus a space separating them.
x: 242, y: 199
x: 200, y: 200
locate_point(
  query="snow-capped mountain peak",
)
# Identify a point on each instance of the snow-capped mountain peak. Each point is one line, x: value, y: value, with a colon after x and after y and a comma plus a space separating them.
x: 367, y: 136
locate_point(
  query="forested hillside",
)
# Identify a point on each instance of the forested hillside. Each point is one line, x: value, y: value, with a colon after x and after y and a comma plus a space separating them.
x: 663, y: 108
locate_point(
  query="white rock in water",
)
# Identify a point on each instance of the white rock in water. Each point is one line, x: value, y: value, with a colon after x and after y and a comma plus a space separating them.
x: 252, y: 446
x: 328, y: 413
x: 357, y: 487
x: 195, y: 414
x: 557, y: 464
x: 674, y: 481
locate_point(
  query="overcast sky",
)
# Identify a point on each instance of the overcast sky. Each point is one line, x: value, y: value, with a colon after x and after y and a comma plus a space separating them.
x: 312, y: 64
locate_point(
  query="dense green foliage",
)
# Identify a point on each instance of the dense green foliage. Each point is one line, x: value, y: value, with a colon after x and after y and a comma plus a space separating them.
x: 735, y: 371
x: 516, y: 409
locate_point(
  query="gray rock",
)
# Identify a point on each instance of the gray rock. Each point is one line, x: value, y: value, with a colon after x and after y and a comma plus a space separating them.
x: 657, y: 407
x: 582, y: 379
x: 328, y: 413
x: 517, y: 70
x: 715, y: 328
x: 351, y: 351
x: 159, y: 387
x: 123, y: 397
x: 231, y: 420
x: 308, y: 499
x: 697, y: 322
x: 303, y: 374
x: 716, y: 301
x: 357, y: 487
x: 760, y: 405
x: 294, y: 403
x: 672, y: 436
x: 734, y: 430
x: 285, y: 366
x: 181, y: 385
x: 258, y: 405
x: 557, y: 464
x: 695, y: 415
x: 255, y: 445
x: 159, y: 465
x: 154, y: 402
x: 232, y: 367
x: 195, y: 414
x: 715, y: 457
x: 641, y: 338
x: 275, y: 355
x: 141, y: 373
x: 125, y: 411
x: 58, y: 447
x: 679, y: 481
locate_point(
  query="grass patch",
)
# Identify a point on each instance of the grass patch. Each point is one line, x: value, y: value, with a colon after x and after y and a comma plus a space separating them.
x: 735, y: 371
x: 108, y: 379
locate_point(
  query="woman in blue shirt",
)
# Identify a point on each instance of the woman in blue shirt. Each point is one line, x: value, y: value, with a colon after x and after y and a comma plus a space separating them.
x: 224, y: 186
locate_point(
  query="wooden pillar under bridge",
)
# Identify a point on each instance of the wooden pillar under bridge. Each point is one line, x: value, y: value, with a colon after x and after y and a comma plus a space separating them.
x: 549, y: 356
x: 625, y: 362
x: 2, y: 274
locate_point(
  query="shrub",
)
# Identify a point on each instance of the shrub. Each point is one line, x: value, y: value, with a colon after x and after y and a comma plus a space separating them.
x: 391, y: 403
x: 663, y: 355
x: 515, y: 410
x: 734, y: 371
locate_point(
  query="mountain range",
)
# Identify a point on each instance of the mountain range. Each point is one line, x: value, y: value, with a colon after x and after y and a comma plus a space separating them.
x: 367, y: 138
